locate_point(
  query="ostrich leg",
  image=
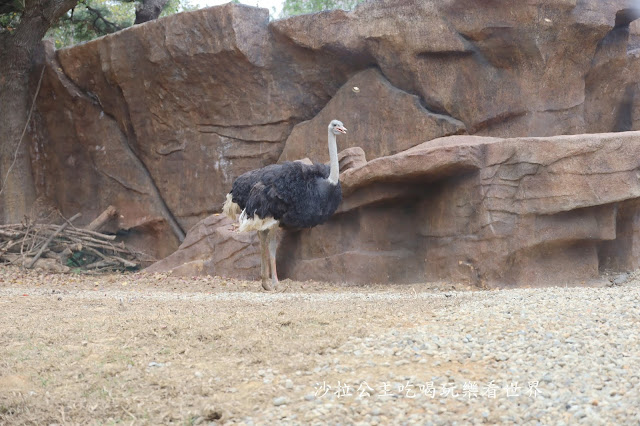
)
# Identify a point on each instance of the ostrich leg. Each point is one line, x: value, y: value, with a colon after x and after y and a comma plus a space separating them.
x: 273, y: 245
x: 264, y: 260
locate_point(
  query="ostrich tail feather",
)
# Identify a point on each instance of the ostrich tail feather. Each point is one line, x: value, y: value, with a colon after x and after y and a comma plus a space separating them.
x: 256, y: 223
x: 230, y: 209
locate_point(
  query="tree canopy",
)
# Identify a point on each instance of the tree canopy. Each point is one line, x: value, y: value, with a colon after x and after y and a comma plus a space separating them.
x: 298, y: 7
x: 10, y: 12
x: 90, y: 19
x: 94, y: 18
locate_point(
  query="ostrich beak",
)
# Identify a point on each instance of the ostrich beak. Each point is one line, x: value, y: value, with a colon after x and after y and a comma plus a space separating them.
x: 341, y: 129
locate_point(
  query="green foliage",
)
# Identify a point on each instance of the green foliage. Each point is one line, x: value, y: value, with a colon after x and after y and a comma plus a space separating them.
x: 95, y: 18
x: 91, y: 19
x: 172, y: 6
x: 175, y: 6
x: 10, y: 12
x: 9, y: 22
x: 298, y: 7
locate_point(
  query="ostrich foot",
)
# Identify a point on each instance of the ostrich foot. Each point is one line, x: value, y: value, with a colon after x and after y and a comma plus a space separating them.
x: 266, y: 285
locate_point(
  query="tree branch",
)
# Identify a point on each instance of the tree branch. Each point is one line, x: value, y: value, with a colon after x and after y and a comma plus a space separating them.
x: 149, y: 10
x: 44, y: 246
x: 111, y: 27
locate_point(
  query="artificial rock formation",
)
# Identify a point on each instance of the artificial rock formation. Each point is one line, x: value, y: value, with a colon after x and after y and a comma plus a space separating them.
x: 400, y: 121
x: 488, y: 211
x: 213, y: 247
x: 485, y: 210
x: 159, y: 119
x: 501, y: 67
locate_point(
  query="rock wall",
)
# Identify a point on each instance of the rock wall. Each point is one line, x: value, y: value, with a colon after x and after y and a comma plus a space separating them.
x: 484, y: 210
x: 160, y: 118
x: 487, y: 211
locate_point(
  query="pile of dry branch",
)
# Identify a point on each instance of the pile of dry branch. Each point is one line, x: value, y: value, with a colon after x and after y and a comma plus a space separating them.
x: 69, y: 247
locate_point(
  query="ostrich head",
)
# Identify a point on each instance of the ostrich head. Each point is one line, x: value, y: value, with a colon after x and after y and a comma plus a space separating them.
x: 336, y: 127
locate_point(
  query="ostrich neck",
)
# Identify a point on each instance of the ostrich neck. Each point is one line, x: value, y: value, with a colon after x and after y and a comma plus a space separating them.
x: 333, y: 156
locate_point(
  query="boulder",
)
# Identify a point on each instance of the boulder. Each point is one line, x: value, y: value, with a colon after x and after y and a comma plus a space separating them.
x: 611, y: 84
x: 213, y: 247
x: 381, y: 120
x: 84, y: 163
x: 351, y: 158
x: 499, y: 66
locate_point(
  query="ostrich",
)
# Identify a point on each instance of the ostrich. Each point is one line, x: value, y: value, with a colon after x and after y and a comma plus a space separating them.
x: 291, y: 195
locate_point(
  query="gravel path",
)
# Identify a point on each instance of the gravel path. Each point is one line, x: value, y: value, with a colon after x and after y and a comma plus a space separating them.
x: 339, y: 356
x: 538, y: 356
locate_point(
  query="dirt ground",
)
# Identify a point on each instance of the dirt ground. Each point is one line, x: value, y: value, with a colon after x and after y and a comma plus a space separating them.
x: 135, y: 349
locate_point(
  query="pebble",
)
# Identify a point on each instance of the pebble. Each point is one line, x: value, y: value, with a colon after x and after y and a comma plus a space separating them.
x: 621, y: 279
x: 281, y: 400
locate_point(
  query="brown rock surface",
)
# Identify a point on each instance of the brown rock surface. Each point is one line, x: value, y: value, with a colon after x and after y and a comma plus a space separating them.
x: 85, y: 164
x: 497, y: 66
x: 487, y: 210
x: 213, y: 247
x: 160, y: 118
x: 351, y: 158
x: 380, y: 119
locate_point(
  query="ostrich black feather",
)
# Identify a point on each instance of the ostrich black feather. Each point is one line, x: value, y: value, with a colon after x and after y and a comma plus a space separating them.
x: 295, y: 194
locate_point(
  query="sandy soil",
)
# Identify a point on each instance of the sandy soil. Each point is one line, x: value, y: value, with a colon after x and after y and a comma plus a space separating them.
x: 153, y: 349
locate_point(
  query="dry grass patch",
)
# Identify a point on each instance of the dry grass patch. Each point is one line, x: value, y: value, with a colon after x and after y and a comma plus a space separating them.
x: 119, y: 348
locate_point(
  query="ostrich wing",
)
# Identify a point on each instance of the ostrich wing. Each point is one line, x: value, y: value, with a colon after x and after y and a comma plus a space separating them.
x: 297, y: 195
x: 244, y: 183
